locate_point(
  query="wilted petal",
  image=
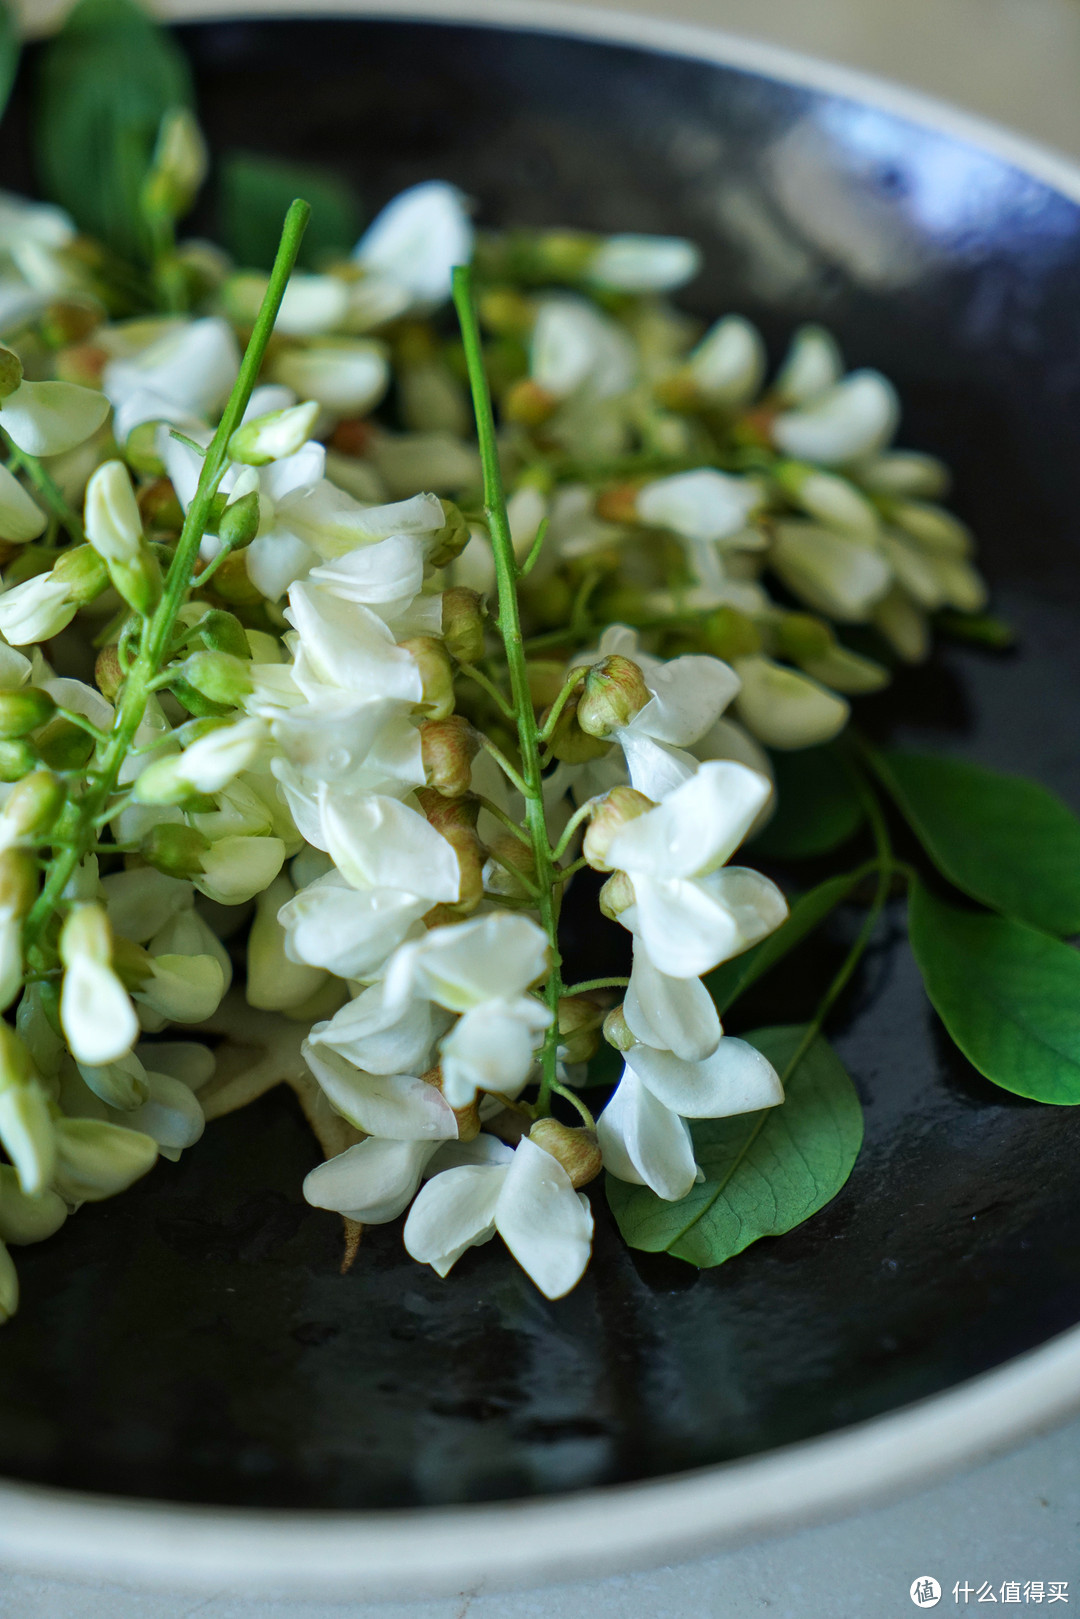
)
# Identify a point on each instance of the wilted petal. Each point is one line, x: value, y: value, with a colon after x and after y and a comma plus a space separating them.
x: 453, y: 1212
x: 371, y: 1182
x: 736, y: 1078
x: 672, y: 1014
x: 543, y: 1221
x: 396, y: 1107
x: 645, y: 1143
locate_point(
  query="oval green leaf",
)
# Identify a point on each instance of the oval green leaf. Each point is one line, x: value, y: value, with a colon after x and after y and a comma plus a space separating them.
x: 255, y: 192
x: 817, y: 807
x: 1007, y: 842
x: 1008, y: 995
x: 765, y: 1172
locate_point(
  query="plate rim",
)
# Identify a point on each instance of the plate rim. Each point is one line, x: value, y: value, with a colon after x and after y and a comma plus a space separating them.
x: 446, y: 1550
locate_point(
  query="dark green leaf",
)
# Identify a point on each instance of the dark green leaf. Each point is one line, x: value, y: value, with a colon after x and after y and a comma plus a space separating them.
x: 728, y: 981
x: 255, y: 193
x: 981, y: 629
x: 1008, y: 994
x: 105, y: 83
x: 766, y: 1172
x: 817, y: 809
x: 9, y: 53
x: 1005, y: 841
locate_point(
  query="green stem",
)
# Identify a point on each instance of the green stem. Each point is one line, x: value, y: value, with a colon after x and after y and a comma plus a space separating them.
x: 582, y: 813
x: 157, y: 631
x: 575, y: 1101
x: 489, y: 686
x: 573, y: 682
x: 588, y: 984
x: 46, y: 486
x: 506, y: 574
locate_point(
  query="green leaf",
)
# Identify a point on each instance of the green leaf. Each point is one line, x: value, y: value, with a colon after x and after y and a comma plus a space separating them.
x: 817, y: 810
x: 766, y: 1172
x: 9, y: 54
x: 727, y: 982
x: 105, y: 82
x: 1005, y: 841
x: 256, y: 191
x: 1008, y: 995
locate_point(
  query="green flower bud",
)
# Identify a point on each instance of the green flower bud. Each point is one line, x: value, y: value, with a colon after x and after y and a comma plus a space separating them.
x: 108, y: 675
x: 64, y: 746
x: 219, y: 676
x: 11, y: 372
x: 615, y: 691
x: 178, y: 168
x: 25, y: 1219
x: 800, y: 636
x: 449, y: 541
x: 506, y: 312
x: 175, y: 849
x: 574, y: 1148
x: 463, y: 624
x: 18, y: 880
x: 33, y: 804
x: 570, y: 743
x: 220, y: 631
x: 17, y: 759
x: 616, y: 1029
x: 580, y: 1018
x: 162, y: 783
x: 729, y: 634
x: 83, y: 573
x: 139, y: 581
x: 159, y: 507
x: 239, y: 522
x: 436, y: 675
x: 614, y: 811
x: 271, y: 437
x: 23, y: 711
x: 141, y: 451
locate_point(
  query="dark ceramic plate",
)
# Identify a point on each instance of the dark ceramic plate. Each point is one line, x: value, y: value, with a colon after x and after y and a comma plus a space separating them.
x: 193, y: 1341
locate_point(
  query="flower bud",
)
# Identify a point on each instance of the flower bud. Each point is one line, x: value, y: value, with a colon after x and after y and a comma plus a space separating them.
x: 547, y: 676
x: 569, y: 743
x: 32, y: 806
x: 831, y: 499
x: 11, y: 372
x: 728, y: 634
x: 86, y: 935
x: 617, y: 1031
x: 18, y: 881
x: 26, y: 1128
x: 448, y: 748
x: 615, y: 692
x: 113, y: 520
x: 120, y: 1084
x: 455, y: 819
x: 618, y: 504
x: 17, y: 759
x: 25, y: 1218
x: 579, y: 1027
x: 239, y: 522
x: 510, y: 856
x: 220, y: 631
x: 23, y: 711
x: 82, y: 572
x: 527, y: 404
x: 801, y: 637
x: 158, y: 506
x: 108, y: 675
x: 232, y: 582
x: 63, y: 745
x: 178, y: 168
x: 175, y: 849
x: 9, y: 1285
x: 96, y: 1160
x: 609, y: 815
x: 574, y: 1148
x: 616, y: 896
x: 449, y: 541
x: 436, y: 674
x: 274, y: 436
x: 463, y: 624
x: 218, y: 675
x: 138, y: 581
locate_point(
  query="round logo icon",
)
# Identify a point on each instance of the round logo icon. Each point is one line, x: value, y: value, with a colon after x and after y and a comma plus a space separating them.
x: 925, y: 1591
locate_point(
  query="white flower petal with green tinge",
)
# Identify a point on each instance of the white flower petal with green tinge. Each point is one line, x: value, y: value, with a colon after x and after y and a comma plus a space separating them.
x: 21, y: 518
x: 96, y: 1013
x: 736, y: 1078
x: 631, y: 263
x: 331, y: 925
x: 838, y: 504
x: 172, y: 1117
x: 211, y: 762
x: 453, y: 1212
x: 812, y: 366
x: 491, y: 1048
x: 545, y: 1224
x: 236, y: 869
x: 372, y: 1182
x: 464, y: 965
x: 701, y: 505
x: 348, y: 378
x: 904, y: 473
x: 186, y: 1060
x: 113, y: 521
x: 394, y: 1107
x: 47, y: 418
x: 839, y: 577
x: 275, y: 983
x: 644, y: 1143
x: 671, y: 1014
x: 417, y: 239
x: 696, y: 828
x: 184, y: 989
x: 786, y: 709
x: 728, y: 364
x: 96, y: 1159
x: 574, y: 347
x: 187, y: 933
x: 855, y: 418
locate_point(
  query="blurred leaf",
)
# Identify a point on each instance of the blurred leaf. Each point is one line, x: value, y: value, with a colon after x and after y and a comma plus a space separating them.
x: 765, y: 1172
x: 1005, y: 841
x: 104, y: 84
x: 1008, y: 995
x: 255, y: 194
x: 727, y: 982
x: 9, y: 53
x: 817, y: 809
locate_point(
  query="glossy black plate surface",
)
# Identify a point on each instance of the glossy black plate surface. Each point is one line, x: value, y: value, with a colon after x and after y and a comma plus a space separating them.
x: 193, y: 1340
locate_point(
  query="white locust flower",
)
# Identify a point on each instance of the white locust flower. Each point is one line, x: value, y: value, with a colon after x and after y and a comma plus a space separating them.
x: 528, y: 1198
x: 785, y: 708
x: 113, y: 522
x: 812, y: 366
x: 376, y: 1180
x: 395, y: 1107
x: 384, y: 1036
x: 21, y: 518
x: 95, y: 1009
x: 632, y: 263
x: 414, y: 243
x: 687, y: 913
x: 575, y: 349
x: 184, y: 373
x: 833, y: 574
x: 49, y: 418
x: 853, y: 419
x: 728, y: 365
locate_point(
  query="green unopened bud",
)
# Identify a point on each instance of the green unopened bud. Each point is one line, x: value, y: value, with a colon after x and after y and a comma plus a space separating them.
x: 63, y: 745
x: 141, y: 450
x: 96, y: 1160
x: 580, y: 1018
x: 239, y: 522
x: 178, y: 168
x: 108, y: 675
x: 616, y: 896
x: 16, y: 1068
x: 617, y: 1031
x: 615, y: 692
x: 463, y: 624
x: 614, y: 811
x: 138, y: 581
x: 9, y: 1285
x: 25, y: 1218
x: 449, y: 541
x: 17, y: 759
x: 175, y: 849
x: 162, y: 783
x: 571, y: 1146
x: 233, y: 583
x: 273, y: 436
x: 82, y: 572
x: 220, y: 631
x: 23, y: 711
x: 122, y: 1084
x: 729, y: 634
x: 18, y: 880
x: 800, y: 636
x: 527, y: 404
x: 33, y: 804
x: 569, y: 743
x: 219, y: 676
x: 448, y: 748
x: 11, y: 372
x: 436, y: 674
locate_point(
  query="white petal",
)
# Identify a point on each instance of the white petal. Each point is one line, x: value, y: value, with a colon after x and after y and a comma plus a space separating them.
x: 382, y: 1037
x: 812, y: 366
x: 837, y: 576
x: 142, y: 900
x: 701, y: 505
x: 645, y: 1143
x: 350, y: 933
x: 854, y: 418
x: 680, y: 927
x: 645, y: 263
x: 386, y: 575
x: 184, y: 989
x: 312, y: 304
x: 328, y: 740
x: 350, y: 647
x: 417, y: 240
x: 696, y: 828
x: 729, y: 362
x: 378, y: 842
x: 672, y: 1014
x: 193, y: 365
x: 461, y: 966
x: 453, y: 1212
x: 96, y: 1013
x: 172, y: 1117
x: 21, y: 518
x: 654, y: 768
x: 275, y: 982
x: 348, y: 378
x: 575, y: 346
x: 786, y: 709
x: 688, y: 695
x: 47, y: 418
x: 35, y: 610
x: 371, y: 1182
x: 490, y: 1048
x: 236, y: 869
x: 736, y: 1078
x: 483, y: 1149
x: 542, y: 1220
x: 396, y: 1107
